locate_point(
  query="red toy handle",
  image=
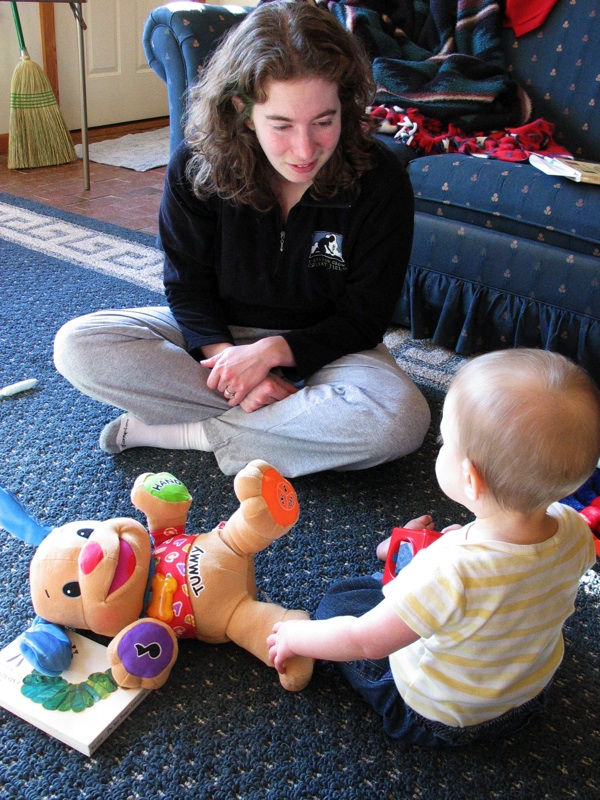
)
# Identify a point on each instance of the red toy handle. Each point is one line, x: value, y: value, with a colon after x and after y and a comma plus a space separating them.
x: 591, y: 515
x: 418, y: 539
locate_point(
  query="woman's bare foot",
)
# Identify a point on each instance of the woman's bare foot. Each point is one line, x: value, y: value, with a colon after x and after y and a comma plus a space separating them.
x: 418, y: 524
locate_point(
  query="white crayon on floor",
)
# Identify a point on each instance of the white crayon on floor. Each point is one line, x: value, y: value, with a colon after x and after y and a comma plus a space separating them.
x: 15, y: 388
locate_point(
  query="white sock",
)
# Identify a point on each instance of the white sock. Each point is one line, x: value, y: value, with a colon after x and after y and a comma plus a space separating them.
x: 127, y: 431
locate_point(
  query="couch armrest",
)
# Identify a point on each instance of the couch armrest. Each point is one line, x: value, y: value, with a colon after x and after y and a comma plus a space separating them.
x: 177, y: 39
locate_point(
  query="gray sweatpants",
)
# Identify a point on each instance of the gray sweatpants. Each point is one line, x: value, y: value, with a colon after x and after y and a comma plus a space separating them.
x: 356, y: 412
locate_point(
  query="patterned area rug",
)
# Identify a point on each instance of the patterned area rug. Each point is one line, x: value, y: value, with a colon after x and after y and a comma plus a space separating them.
x: 222, y: 727
x: 136, y: 259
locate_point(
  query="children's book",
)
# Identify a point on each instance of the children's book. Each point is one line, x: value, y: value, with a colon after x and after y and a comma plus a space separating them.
x: 81, y: 707
x: 580, y: 171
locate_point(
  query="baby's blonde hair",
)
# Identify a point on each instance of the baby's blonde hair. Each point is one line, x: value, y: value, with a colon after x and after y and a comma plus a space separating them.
x: 529, y: 421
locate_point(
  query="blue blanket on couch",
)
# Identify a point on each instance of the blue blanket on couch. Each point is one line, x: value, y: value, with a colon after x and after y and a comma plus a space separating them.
x: 443, y: 57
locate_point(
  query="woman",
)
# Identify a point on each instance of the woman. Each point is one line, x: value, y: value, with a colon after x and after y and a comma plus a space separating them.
x: 286, y: 231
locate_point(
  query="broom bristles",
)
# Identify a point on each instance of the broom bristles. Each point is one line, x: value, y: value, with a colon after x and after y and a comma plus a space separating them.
x: 37, y: 134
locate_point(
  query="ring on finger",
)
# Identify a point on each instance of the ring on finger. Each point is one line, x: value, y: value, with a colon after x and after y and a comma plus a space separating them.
x: 228, y: 395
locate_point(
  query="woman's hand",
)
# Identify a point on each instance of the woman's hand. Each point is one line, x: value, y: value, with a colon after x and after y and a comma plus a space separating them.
x: 272, y: 389
x: 242, y: 372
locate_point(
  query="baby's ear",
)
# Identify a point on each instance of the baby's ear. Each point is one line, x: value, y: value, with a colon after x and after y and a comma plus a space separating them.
x: 46, y: 647
x: 472, y: 480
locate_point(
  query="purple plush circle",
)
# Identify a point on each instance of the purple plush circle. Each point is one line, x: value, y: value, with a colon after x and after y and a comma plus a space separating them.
x: 146, y: 650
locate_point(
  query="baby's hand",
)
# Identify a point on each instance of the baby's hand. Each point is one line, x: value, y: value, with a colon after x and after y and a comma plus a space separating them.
x: 424, y: 522
x: 280, y: 650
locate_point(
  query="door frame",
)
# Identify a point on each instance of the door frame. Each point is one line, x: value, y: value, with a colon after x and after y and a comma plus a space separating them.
x: 48, y: 34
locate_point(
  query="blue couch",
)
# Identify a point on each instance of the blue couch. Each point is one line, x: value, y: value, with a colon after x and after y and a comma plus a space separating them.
x: 503, y: 254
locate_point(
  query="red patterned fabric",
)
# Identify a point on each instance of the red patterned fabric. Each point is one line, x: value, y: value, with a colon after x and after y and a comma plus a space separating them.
x: 431, y: 137
x: 169, y: 585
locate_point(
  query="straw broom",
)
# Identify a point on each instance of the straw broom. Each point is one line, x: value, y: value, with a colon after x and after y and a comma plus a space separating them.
x: 37, y: 134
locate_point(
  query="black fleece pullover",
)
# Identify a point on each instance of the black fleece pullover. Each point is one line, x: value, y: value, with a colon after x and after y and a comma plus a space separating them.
x: 330, y: 277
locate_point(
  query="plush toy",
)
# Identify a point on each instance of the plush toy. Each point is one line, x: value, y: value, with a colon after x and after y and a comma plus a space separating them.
x: 147, y: 591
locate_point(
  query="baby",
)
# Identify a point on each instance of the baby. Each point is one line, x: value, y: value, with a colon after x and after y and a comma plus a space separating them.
x: 462, y: 645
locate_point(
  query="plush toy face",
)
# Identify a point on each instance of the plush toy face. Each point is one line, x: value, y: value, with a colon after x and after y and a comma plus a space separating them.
x: 92, y: 575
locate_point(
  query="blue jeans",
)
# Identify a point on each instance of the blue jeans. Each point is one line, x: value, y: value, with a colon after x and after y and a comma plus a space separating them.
x: 373, y: 680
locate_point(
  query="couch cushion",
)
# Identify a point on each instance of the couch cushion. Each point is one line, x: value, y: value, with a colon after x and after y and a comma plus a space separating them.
x: 557, y: 65
x: 475, y: 290
x: 513, y: 198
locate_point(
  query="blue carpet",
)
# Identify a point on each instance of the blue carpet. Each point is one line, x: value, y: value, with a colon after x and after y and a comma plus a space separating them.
x: 222, y: 728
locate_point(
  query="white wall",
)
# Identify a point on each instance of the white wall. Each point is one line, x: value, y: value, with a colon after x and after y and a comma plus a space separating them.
x: 10, y: 52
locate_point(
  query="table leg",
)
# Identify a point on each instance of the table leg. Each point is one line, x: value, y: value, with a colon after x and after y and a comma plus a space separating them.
x: 81, y: 26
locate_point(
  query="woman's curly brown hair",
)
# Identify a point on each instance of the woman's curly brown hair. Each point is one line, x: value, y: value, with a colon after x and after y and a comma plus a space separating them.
x: 278, y: 41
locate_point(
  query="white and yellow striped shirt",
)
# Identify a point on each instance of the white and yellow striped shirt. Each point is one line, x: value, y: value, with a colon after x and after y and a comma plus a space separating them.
x: 490, y: 617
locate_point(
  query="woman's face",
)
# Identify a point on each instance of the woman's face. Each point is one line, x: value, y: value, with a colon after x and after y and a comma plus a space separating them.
x: 298, y: 126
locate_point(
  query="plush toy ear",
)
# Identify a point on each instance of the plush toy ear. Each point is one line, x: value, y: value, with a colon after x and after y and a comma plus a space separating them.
x: 16, y: 520
x: 46, y: 647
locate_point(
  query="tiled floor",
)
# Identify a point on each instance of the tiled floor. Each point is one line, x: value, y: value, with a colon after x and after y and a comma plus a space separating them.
x: 121, y: 196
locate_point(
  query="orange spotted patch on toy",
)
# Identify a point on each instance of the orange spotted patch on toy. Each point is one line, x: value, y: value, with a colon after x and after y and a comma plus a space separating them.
x: 280, y: 497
